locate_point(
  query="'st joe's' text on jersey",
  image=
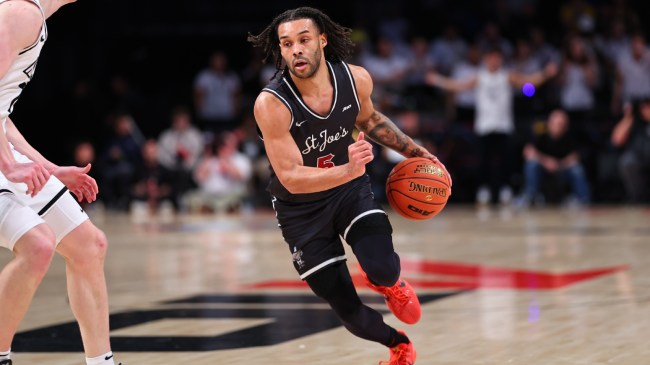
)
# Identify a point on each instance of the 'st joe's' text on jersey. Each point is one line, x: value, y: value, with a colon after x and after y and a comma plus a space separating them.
x: 323, y: 140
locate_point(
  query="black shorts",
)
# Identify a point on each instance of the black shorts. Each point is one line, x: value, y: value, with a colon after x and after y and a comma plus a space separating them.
x: 314, y: 230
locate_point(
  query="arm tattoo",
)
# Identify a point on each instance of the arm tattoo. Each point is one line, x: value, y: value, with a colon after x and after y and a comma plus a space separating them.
x: 382, y: 130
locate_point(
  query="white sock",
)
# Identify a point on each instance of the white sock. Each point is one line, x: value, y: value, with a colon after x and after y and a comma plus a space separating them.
x: 5, y: 355
x: 106, y: 359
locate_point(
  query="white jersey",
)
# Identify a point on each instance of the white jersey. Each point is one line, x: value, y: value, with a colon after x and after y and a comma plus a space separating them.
x: 12, y: 84
x: 21, y: 71
x: 493, y: 103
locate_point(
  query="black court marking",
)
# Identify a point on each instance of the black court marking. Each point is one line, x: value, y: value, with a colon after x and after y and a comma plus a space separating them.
x: 286, y: 325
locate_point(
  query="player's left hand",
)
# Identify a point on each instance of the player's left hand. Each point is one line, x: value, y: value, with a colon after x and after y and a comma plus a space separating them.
x: 78, y: 181
x: 422, y: 152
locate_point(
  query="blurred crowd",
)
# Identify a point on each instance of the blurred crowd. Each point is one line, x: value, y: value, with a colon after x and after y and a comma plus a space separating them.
x: 517, y: 118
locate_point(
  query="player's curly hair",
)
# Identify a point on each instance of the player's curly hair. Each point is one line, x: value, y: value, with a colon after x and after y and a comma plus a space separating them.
x: 339, y: 45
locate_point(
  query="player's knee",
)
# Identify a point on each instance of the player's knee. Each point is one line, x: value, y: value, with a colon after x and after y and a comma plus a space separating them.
x: 370, y: 225
x: 87, y: 248
x: 382, y: 271
x: 36, y: 250
x: 101, y: 243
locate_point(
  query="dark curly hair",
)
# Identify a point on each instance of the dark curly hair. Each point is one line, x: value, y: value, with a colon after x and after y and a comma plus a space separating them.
x: 339, y: 45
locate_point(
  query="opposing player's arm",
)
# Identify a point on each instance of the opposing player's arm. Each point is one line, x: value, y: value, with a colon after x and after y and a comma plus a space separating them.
x: 20, y: 24
x: 274, y: 121
x: 75, y: 178
x: 378, y: 126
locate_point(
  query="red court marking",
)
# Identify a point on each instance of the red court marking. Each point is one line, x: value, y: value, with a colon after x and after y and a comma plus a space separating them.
x: 469, y: 276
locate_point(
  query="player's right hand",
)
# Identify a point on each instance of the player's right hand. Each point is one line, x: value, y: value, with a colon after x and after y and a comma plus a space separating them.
x: 33, y: 174
x: 359, y: 154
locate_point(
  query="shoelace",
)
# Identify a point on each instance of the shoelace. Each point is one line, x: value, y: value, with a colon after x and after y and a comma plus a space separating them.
x: 399, y: 294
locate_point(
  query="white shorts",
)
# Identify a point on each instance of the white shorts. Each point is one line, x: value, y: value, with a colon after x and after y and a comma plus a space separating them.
x: 53, y: 205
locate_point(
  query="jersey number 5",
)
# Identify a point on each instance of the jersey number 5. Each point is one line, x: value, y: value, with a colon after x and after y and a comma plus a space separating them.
x: 325, y: 162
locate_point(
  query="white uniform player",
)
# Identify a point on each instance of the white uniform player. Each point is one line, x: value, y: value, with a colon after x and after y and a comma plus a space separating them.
x: 38, y: 215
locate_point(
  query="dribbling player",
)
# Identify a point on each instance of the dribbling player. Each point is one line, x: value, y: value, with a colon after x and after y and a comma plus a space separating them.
x: 320, y: 190
x: 38, y: 215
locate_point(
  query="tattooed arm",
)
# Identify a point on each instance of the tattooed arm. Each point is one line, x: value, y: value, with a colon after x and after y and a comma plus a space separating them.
x: 378, y: 126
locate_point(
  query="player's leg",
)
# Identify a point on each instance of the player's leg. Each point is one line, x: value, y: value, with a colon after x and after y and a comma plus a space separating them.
x: 372, y: 243
x: 32, y: 242
x: 84, y: 250
x: 83, y: 246
x: 335, y: 286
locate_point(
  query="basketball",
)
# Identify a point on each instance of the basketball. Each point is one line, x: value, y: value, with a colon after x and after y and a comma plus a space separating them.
x: 418, y: 188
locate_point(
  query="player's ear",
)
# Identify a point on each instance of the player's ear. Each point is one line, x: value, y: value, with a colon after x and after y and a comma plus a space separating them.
x: 323, y: 39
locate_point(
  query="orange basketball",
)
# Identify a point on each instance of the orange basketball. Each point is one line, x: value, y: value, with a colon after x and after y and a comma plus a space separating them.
x: 417, y: 188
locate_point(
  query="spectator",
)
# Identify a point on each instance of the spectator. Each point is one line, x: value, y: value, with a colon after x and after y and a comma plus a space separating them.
x: 217, y: 94
x: 419, y: 63
x: 153, y: 183
x: 179, y: 149
x: 633, y: 73
x: 222, y: 176
x: 447, y: 50
x: 614, y: 44
x: 544, y: 52
x: 491, y: 39
x: 524, y: 61
x: 119, y: 160
x: 388, y: 70
x: 578, y: 79
x: 465, y: 101
x: 493, y: 123
x: 553, y: 152
x: 83, y: 154
x: 633, y: 133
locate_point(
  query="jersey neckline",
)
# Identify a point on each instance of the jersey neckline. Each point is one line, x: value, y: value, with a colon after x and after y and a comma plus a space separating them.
x: 294, y: 89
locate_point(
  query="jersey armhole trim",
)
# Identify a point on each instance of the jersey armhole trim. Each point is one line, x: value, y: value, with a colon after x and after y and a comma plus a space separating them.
x: 284, y: 101
x: 40, y: 31
x: 354, y: 85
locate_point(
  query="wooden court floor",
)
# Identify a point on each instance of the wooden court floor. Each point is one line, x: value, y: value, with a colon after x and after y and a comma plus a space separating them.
x: 543, y: 287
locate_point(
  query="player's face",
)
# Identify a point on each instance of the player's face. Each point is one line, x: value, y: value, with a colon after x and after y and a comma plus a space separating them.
x: 301, y: 45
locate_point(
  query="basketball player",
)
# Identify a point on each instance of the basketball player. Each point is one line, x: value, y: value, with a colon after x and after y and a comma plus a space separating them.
x: 321, y: 193
x: 38, y: 215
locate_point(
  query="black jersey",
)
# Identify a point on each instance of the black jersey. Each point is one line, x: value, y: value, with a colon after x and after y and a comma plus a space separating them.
x: 323, y: 140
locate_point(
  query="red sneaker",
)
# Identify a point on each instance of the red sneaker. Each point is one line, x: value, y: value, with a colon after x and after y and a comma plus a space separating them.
x: 400, y: 299
x: 402, y: 354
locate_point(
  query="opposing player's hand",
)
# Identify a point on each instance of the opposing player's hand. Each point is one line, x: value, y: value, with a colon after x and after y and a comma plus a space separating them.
x: 33, y: 174
x: 78, y: 181
x: 359, y: 154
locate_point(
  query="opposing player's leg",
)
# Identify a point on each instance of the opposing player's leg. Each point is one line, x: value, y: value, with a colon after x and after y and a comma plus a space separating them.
x: 334, y: 285
x: 371, y: 241
x: 84, y: 250
x: 32, y: 242
x: 83, y: 246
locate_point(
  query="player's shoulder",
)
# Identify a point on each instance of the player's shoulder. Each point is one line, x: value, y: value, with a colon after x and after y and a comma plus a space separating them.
x: 360, y: 74
x: 362, y: 80
x: 267, y: 100
x: 269, y: 107
x: 20, y: 13
x: 21, y: 20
